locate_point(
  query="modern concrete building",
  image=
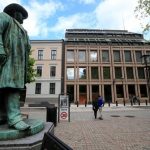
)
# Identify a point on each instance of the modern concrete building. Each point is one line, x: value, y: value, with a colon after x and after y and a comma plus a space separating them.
x: 104, y: 62
x: 48, y: 65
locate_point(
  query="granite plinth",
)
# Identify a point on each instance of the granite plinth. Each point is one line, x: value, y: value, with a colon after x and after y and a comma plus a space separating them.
x: 10, y: 133
x: 33, y: 142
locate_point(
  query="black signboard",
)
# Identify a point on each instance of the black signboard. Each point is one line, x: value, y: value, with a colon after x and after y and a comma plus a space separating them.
x: 51, y: 142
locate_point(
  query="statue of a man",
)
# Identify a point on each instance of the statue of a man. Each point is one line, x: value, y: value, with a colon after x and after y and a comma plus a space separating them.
x: 14, y: 53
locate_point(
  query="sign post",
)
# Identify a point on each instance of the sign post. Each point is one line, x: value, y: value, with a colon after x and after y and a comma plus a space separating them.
x: 63, y: 108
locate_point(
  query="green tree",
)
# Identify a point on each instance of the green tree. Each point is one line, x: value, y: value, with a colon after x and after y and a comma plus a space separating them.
x: 31, y: 72
x: 142, y: 11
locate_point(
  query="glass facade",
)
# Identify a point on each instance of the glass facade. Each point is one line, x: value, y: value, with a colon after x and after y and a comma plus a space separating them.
x: 105, y: 55
x: 116, y: 54
x: 82, y: 56
x: 127, y: 55
x: 106, y: 72
x: 93, y: 56
x: 70, y: 56
x: 82, y: 73
x: 138, y: 56
x: 70, y: 74
x: 94, y: 72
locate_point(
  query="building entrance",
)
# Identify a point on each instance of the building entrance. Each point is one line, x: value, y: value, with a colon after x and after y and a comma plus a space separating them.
x: 70, y: 92
x: 107, y: 93
x: 82, y: 94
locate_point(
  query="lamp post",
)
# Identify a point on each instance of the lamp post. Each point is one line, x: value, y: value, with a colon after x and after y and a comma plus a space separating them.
x: 123, y: 90
x: 146, y: 62
x: 114, y: 90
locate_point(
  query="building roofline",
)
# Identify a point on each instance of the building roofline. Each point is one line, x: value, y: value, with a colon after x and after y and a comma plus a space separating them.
x: 47, y: 41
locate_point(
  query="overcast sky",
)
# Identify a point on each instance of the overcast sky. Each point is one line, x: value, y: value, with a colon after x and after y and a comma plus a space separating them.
x: 48, y: 19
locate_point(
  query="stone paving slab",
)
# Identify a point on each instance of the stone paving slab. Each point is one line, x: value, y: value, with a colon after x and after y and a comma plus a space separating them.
x: 129, y: 131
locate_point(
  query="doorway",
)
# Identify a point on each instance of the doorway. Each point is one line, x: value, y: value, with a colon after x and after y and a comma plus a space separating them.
x: 70, y: 92
x: 107, y: 93
x: 95, y: 92
x: 82, y: 94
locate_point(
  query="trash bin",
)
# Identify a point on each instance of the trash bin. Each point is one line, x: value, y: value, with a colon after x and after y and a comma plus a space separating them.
x: 51, y: 114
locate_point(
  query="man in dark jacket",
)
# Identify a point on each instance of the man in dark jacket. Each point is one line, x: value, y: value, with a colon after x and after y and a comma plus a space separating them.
x: 14, y: 53
x: 95, y: 107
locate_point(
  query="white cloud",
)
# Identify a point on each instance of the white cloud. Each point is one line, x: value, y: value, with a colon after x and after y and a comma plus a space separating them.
x: 39, y: 14
x: 4, y: 3
x: 118, y: 14
x: 83, y: 20
x: 108, y: 14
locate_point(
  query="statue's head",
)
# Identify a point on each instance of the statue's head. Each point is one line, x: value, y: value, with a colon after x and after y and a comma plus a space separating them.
x: 16, y: 11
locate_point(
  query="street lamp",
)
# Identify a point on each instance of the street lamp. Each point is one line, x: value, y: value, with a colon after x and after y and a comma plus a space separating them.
x: 146, y: 62
x: 122, y: 78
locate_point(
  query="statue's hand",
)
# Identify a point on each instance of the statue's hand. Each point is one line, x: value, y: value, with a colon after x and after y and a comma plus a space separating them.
x: 2, y: 59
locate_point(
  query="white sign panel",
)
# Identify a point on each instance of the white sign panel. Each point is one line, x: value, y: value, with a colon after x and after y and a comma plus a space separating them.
x: 64, y: 111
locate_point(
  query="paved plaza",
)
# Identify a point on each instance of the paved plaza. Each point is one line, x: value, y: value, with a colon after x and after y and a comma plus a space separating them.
x: 123, y: 128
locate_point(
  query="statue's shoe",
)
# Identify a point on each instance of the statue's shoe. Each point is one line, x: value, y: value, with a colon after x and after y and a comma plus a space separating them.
x: 21, y: 125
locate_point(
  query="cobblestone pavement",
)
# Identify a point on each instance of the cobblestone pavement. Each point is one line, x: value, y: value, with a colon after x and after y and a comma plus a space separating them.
x: 123, y: 128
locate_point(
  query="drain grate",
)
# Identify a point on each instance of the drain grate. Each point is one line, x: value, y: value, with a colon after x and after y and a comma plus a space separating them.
x: 115, y: 116
x: 130, y: 116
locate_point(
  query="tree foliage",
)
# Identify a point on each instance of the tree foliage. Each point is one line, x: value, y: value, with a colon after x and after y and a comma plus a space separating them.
x: 142, y: 11
x: 31, y: 72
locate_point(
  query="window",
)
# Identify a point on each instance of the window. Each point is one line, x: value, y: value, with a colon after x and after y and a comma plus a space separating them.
x: 52, y: 71
x: 39, y: 71
x: 93, y: 55
x: 94, y: 72
x: 52, y: 88
x: 148, y: 58
x: 81, y: 56
x: 40, y: 54
x: 118, y: 73
x: 141, y: 74
x: 116, y: 56
x: 129, y: 71
x: 127, y: 56
x: 106, y: 72
x: 38, y: 88
x: 105, y: 56
x: 70, y: 73
x: 53, y: 54
x: 138, y: 55
x: 82, y: 73
x: 70, y: 56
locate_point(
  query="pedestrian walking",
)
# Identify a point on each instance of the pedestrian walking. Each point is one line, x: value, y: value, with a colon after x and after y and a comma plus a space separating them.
x: 100, y: 105
x: 95, y: 107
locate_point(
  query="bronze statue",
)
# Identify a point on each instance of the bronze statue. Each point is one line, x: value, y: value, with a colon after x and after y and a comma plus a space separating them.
x: 14, y: 53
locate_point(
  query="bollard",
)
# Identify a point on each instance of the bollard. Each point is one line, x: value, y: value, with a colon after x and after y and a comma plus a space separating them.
x: 116, y: 103
x: 124, y: 102
x: 109, y: 104
x: 131, y: 103
x: 139, y: 102
x: 77, y: 103
x: 146, y: 102
x: 85, y: 103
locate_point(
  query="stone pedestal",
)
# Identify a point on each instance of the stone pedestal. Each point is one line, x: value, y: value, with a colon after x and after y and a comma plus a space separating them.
x: 28, y: 142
